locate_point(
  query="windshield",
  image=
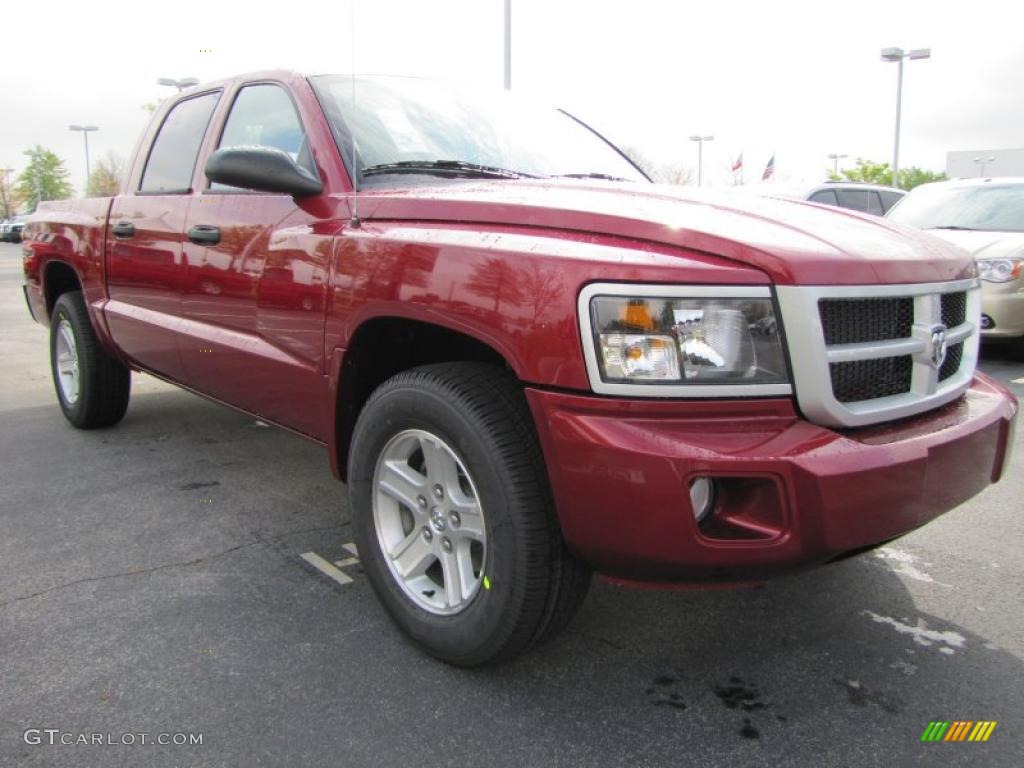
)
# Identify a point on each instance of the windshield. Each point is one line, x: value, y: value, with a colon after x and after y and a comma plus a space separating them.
x: 993, y: 207
x: 406, y: 128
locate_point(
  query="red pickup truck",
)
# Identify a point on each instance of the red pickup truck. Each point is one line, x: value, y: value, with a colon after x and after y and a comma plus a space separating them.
x: 525, y: 360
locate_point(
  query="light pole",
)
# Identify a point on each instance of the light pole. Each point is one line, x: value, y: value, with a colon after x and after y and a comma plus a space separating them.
x: 185, y: 82
x: 835, y: 162
x: 700, y: 156
x: 508, y: 45
x: 898, y: 55
x: 85, y: 134
x: 983, y: 161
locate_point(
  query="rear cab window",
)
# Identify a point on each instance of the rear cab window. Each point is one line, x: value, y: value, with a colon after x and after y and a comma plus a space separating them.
x: 172, y: 158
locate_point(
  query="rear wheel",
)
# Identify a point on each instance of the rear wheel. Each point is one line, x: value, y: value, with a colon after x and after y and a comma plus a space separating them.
x: 453, y: 516
x: 92, y: 387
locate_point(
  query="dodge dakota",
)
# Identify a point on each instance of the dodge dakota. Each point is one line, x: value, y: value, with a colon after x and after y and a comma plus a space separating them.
x: 526, y: 361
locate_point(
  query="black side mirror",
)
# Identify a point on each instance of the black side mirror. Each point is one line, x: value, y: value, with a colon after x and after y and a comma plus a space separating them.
x: 266, y: 169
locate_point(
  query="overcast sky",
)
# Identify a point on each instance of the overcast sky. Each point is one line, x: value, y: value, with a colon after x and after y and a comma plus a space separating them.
x: 797, y: 79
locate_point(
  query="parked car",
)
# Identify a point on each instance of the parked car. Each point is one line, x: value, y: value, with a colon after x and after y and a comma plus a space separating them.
x: 10, y: 229
x: 526, y: 361
x: 985, y: 216
x: 867, y: 198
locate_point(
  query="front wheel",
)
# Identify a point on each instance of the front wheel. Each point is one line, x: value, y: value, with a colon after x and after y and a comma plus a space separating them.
x: 453, y: 517
x: 92, y: 387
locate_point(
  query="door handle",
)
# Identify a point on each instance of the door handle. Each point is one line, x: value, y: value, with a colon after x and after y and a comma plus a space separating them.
x: 202, y: 234
x: 123, y: 229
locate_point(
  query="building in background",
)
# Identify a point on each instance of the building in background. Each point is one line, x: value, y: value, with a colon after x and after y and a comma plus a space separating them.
x: 968, y: 164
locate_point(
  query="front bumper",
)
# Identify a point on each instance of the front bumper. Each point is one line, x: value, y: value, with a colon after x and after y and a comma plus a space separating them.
x: 794, y: 493
x: 1003, y: 304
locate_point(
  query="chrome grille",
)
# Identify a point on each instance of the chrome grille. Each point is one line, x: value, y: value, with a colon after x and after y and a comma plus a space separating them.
x: 867, y: 354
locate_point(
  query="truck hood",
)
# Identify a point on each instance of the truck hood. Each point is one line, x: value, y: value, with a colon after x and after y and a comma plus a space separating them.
x: 984, y: 245
x: 795, y: 243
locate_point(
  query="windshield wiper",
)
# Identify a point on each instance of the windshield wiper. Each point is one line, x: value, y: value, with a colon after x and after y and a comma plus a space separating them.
x: 957, y: 228
x: 445, y: 168
x: 602, y: 176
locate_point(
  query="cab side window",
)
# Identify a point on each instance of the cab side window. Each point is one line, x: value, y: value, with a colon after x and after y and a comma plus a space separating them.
x: 825, y: 196
x: 172, y: 158
x: 263, y: 116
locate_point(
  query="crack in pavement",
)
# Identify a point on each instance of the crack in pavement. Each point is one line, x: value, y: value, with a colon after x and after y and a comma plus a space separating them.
x: 165, y: 566
x: 130, y: 572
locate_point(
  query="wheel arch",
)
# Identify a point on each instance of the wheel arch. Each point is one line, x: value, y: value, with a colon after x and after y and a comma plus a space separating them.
x: 381, y: 347
x: 59, y: 278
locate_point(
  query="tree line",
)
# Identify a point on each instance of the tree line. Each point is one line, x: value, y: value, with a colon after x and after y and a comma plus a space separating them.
x: 45, y: 177
x: 865, y: 171
x: 880, y: 173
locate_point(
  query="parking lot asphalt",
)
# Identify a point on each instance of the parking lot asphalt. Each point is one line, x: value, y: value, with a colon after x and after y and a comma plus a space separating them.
x: 152, y: 581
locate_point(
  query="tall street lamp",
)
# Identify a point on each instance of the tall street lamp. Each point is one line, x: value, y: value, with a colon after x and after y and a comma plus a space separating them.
x: 983, y: 161
x: 85, y: 134
x: 700, y: 156
x: 508, y: 45
x: 835, y: 158
x: 898, y: 55
x: 185, y: 82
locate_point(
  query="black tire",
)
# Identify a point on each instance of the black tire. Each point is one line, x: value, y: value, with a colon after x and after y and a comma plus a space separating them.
x: 104, y: 383
x: 536, y: 585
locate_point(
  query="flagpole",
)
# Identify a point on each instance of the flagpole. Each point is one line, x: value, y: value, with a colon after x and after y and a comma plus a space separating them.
x: 737, y: 171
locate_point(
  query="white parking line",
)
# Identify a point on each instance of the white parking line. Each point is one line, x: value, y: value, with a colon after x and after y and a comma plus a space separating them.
x: 350, y: 546
x: 325, y: 567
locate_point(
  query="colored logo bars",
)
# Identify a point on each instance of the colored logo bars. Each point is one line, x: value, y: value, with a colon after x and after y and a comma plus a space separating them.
x: 958, y: 730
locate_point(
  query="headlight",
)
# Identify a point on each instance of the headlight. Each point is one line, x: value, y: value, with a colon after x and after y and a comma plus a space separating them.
x: 698, y: 341
x: 999, y: 270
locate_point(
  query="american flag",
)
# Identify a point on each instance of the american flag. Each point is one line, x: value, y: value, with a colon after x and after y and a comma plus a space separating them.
x: 769, y: 170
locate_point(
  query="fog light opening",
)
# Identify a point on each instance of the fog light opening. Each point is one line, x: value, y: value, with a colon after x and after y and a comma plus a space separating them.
x: 702, y: 497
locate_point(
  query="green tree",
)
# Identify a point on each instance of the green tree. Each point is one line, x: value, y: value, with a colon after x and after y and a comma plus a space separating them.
x: 105, y: 180
x: 8, y: 197
x: 866, y: 171
x: 44, y: 178
x: 914, y: 177
x: 880, y: 173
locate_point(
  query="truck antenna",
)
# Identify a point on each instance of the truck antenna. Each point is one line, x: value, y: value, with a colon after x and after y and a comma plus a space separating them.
x: 355, y: 223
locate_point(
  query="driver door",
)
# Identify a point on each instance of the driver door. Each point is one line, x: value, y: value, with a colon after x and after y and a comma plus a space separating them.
x: 256, y: 280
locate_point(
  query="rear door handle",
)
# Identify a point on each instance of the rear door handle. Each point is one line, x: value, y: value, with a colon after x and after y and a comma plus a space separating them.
x: 201, y: 234
x: 123, y: 229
